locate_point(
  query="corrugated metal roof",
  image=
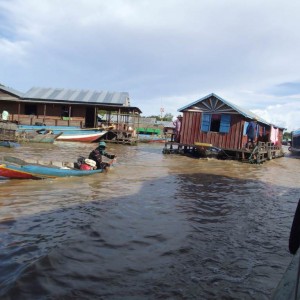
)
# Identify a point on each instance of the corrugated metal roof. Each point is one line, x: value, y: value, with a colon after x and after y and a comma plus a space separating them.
x: 11, y: 91
x: 71, y: 95
x: 246, y: 113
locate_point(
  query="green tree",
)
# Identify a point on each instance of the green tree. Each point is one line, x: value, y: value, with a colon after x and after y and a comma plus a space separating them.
x: 287, y: 135
x: 166, y: 117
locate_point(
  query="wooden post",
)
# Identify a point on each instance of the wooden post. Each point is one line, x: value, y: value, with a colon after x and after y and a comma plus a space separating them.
x: 69, y: 115
x: 269, y: 154
x: 44, y: 117
x: 96, y: 117
x: 19, y: 111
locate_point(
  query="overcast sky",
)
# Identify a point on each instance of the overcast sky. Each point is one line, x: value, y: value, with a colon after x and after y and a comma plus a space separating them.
x: 164, y: 53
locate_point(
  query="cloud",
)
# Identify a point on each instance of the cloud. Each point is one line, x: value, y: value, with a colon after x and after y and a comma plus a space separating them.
x: 169, y: 53
x: 285, y: 89
x: 285, y: 115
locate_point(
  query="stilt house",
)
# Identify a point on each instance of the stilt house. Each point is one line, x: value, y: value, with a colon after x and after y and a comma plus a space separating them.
x: 66, y: 107
x: 216, y: 121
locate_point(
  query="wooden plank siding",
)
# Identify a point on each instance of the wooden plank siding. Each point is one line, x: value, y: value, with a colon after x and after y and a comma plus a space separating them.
x: 234, y: 139
x: 69, y: 111
x: 191, y: 132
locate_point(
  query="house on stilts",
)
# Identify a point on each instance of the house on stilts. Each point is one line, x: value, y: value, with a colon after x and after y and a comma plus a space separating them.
x: 212, y: 126
x: 72, y: 107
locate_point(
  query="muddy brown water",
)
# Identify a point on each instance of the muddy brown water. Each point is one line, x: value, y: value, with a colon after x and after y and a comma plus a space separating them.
x: 155, y: 227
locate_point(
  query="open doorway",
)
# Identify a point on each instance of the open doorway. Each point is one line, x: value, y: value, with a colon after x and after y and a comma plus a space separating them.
x: 90, y: 117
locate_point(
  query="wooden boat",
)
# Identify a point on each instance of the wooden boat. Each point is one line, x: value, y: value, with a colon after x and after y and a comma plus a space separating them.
x: 15, y: 168
x: 207, y: 150
x: 70, y: 134
x: 288, y: 287
x: 84, y: 136
x: 9, y: 144
x: 43, y: 136
x: 295, y: 143
x: 10, y: 135
x: 147, y: 138
x: 199, y: 144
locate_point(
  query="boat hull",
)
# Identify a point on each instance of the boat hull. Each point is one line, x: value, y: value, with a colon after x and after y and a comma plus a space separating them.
x: 295, y: 147
x: 41, y: 172
x: 87, y: 137
x: 8, y: 172
x: 29, y: 137
x: 9, y: 144
x: 69, y: 134
x: 146, y: 138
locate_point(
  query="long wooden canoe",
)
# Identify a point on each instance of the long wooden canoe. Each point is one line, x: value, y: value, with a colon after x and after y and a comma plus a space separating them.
x: 15, y: 168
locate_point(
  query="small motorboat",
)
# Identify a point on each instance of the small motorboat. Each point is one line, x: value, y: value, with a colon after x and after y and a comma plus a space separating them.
x: 67, y: 133
x: 15, y: 168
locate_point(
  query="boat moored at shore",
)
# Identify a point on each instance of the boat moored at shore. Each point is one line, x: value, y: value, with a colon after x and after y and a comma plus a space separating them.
x: 70, y: 134
x: 295, y: 142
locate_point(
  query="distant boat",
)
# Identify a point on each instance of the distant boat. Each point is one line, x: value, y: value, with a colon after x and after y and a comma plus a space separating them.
x: 295, y: 142
x: 87, y: 136
x: 9, y: 144
x: 37, y: 137
x: 148, y: 138
x: 15, y: 168
x: 10, y: 136
x: 68, y: 133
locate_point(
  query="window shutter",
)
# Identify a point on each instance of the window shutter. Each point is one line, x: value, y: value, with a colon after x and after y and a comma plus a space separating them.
x: 225, y: 123
x: 205, y: 126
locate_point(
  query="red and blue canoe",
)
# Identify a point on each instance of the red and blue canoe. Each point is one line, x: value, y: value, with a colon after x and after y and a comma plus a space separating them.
x: 15, y: 168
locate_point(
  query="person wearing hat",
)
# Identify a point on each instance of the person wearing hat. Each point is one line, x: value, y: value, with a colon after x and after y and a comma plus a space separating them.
x: 177, y: 128
x: 97, y: 154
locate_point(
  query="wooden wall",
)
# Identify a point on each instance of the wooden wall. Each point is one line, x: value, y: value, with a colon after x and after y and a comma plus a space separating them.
x: 234, y: 139
x: 55, y: 110
x: 8, y: 106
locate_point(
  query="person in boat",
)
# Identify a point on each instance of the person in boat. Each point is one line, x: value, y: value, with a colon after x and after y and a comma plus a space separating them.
x: 87, y: 164
x: 97, y: 155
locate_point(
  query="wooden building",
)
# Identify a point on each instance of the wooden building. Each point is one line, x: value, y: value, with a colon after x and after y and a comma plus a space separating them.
x: 67, y: 107
x: 216, y: 121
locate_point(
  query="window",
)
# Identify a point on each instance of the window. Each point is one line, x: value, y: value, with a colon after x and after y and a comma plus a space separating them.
x: 215, y: 123
x: 30, y: 109
x: 64, y: 111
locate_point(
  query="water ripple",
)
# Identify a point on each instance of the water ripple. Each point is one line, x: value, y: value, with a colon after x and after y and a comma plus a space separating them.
x: 155, y: 227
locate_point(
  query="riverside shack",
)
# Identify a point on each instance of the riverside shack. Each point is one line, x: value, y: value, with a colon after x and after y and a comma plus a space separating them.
x: 67, y: 107
x: 216, y: 122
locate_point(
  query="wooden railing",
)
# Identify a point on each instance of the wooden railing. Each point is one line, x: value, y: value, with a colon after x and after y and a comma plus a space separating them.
x: 47, y: 120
